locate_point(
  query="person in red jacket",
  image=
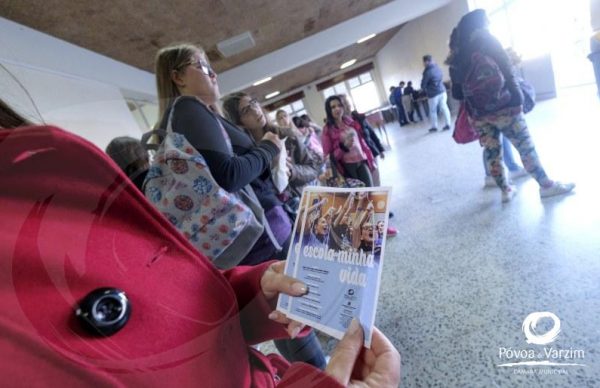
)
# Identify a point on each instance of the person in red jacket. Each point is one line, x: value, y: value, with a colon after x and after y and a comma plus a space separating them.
x: 73, y: 225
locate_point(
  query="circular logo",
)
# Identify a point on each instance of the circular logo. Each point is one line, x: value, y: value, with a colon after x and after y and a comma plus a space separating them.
x: 183, y: 202
x: 202, y: 186
x: 179, y: 166
x: 530, y: 324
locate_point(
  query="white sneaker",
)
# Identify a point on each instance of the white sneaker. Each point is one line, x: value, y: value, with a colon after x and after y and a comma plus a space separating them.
x: 521, y: 172
x: 556, y: 189
x: 489, y: 181
x: 509, y: 194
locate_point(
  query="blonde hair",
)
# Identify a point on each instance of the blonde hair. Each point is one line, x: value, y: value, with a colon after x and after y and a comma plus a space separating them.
x: 169, y: 59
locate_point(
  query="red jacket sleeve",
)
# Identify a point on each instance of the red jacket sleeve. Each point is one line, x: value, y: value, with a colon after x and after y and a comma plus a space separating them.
x: 331, y: 143
x: 253, y: 306
x: 304, y: 375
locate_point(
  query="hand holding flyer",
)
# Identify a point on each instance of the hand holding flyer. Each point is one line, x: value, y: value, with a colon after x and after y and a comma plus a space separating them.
x: 337, y: 251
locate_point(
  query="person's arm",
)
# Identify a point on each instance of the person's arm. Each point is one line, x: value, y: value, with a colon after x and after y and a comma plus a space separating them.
x: 318, y: 130
x: 425, y: 79
x: 495, y: 50
x: 253, y: 306
x: 202, y: 130
x: 344, y: 209
x: 300, y: 374
x: 328, y: 144
x: 457, y: 92
x: 306, y: 166
x: 369, y: 131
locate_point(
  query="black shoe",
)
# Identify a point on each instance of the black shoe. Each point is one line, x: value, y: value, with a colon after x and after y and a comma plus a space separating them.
x: 432, y: 129
x: 391, y: 214
x: 446, y: 128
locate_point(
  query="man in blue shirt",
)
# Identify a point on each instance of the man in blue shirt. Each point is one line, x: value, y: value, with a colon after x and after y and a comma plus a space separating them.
x: 433, y: 85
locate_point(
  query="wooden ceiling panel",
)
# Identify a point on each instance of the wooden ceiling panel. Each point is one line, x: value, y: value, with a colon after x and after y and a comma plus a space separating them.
x: 131, y: 31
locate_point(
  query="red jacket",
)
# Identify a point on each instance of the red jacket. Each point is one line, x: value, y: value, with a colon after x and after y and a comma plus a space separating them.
x: 72, y: 222
x: 331, y: 138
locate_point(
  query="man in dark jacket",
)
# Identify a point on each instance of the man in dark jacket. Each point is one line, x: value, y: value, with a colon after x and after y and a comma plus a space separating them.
x: 432, y: 84
x: 398, y: 99
x: 412, y: 93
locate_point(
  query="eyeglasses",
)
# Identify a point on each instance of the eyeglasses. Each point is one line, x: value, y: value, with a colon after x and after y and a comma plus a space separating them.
x: 204, y: 67
x: 252, y: 105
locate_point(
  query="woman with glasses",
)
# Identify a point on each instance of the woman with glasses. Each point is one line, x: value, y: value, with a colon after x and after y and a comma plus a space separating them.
x: 304, y: 164
x: 183, y: 70
x: 233, y: 158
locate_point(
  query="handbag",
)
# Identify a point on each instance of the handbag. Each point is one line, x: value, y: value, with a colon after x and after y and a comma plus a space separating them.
x: 528, y: 95
x: 464, y: 132
x: 223, y: 226
x: 332, y: 178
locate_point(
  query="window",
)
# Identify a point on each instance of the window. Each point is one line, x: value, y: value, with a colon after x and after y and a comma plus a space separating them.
x: 364, y: 93
x: 145, y: 113
x: 534, y: 28
x: 365, y: 97
x: 335, y: 89
x: 295, y: 108
x: 361, y: 91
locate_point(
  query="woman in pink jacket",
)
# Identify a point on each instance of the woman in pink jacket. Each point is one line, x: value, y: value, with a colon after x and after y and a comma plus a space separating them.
x: 344, y: 141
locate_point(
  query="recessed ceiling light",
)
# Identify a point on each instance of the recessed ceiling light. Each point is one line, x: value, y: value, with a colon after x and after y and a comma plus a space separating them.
x: 348, y: 64
x: 271, y: 95
x: 366, y: 38
x: 262, y: 81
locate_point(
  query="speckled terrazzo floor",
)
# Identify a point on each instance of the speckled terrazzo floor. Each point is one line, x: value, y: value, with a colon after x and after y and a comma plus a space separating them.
x: 465, y: 270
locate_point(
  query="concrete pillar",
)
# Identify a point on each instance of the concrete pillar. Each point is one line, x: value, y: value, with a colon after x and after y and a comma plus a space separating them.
x: 595, y: 40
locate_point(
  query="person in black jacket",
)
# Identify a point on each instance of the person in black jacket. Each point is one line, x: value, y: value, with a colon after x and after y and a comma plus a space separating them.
x: 472, y: 40
x: 412, y: 93
x: 432, y: 83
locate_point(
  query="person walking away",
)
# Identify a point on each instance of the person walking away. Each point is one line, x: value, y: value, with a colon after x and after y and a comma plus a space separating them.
x: 437, y: 98
x: 482, y: 76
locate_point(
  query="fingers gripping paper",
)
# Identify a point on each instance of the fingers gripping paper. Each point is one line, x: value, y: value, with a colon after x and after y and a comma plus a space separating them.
x: 337, y: 251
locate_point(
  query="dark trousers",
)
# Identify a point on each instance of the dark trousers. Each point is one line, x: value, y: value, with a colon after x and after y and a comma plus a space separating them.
x: 307, y: 349
x: 401, y: 115
x: 416, y: 108
x: 359, y: 171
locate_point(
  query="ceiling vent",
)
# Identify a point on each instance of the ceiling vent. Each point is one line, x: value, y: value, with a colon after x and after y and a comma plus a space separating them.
x: 236, y: 45
x: 213, y: 55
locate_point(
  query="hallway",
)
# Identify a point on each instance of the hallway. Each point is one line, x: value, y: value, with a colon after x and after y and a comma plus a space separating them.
x: 465, y: 270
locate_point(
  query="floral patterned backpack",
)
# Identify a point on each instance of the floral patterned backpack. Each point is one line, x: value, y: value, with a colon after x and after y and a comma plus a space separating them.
x: 223, y: 226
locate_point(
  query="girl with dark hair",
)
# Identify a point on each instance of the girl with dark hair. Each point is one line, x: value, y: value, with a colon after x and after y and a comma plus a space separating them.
x: 343, y: 139
x: 482, y: 75
x: 304, y: 165
x: 131, y: 157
